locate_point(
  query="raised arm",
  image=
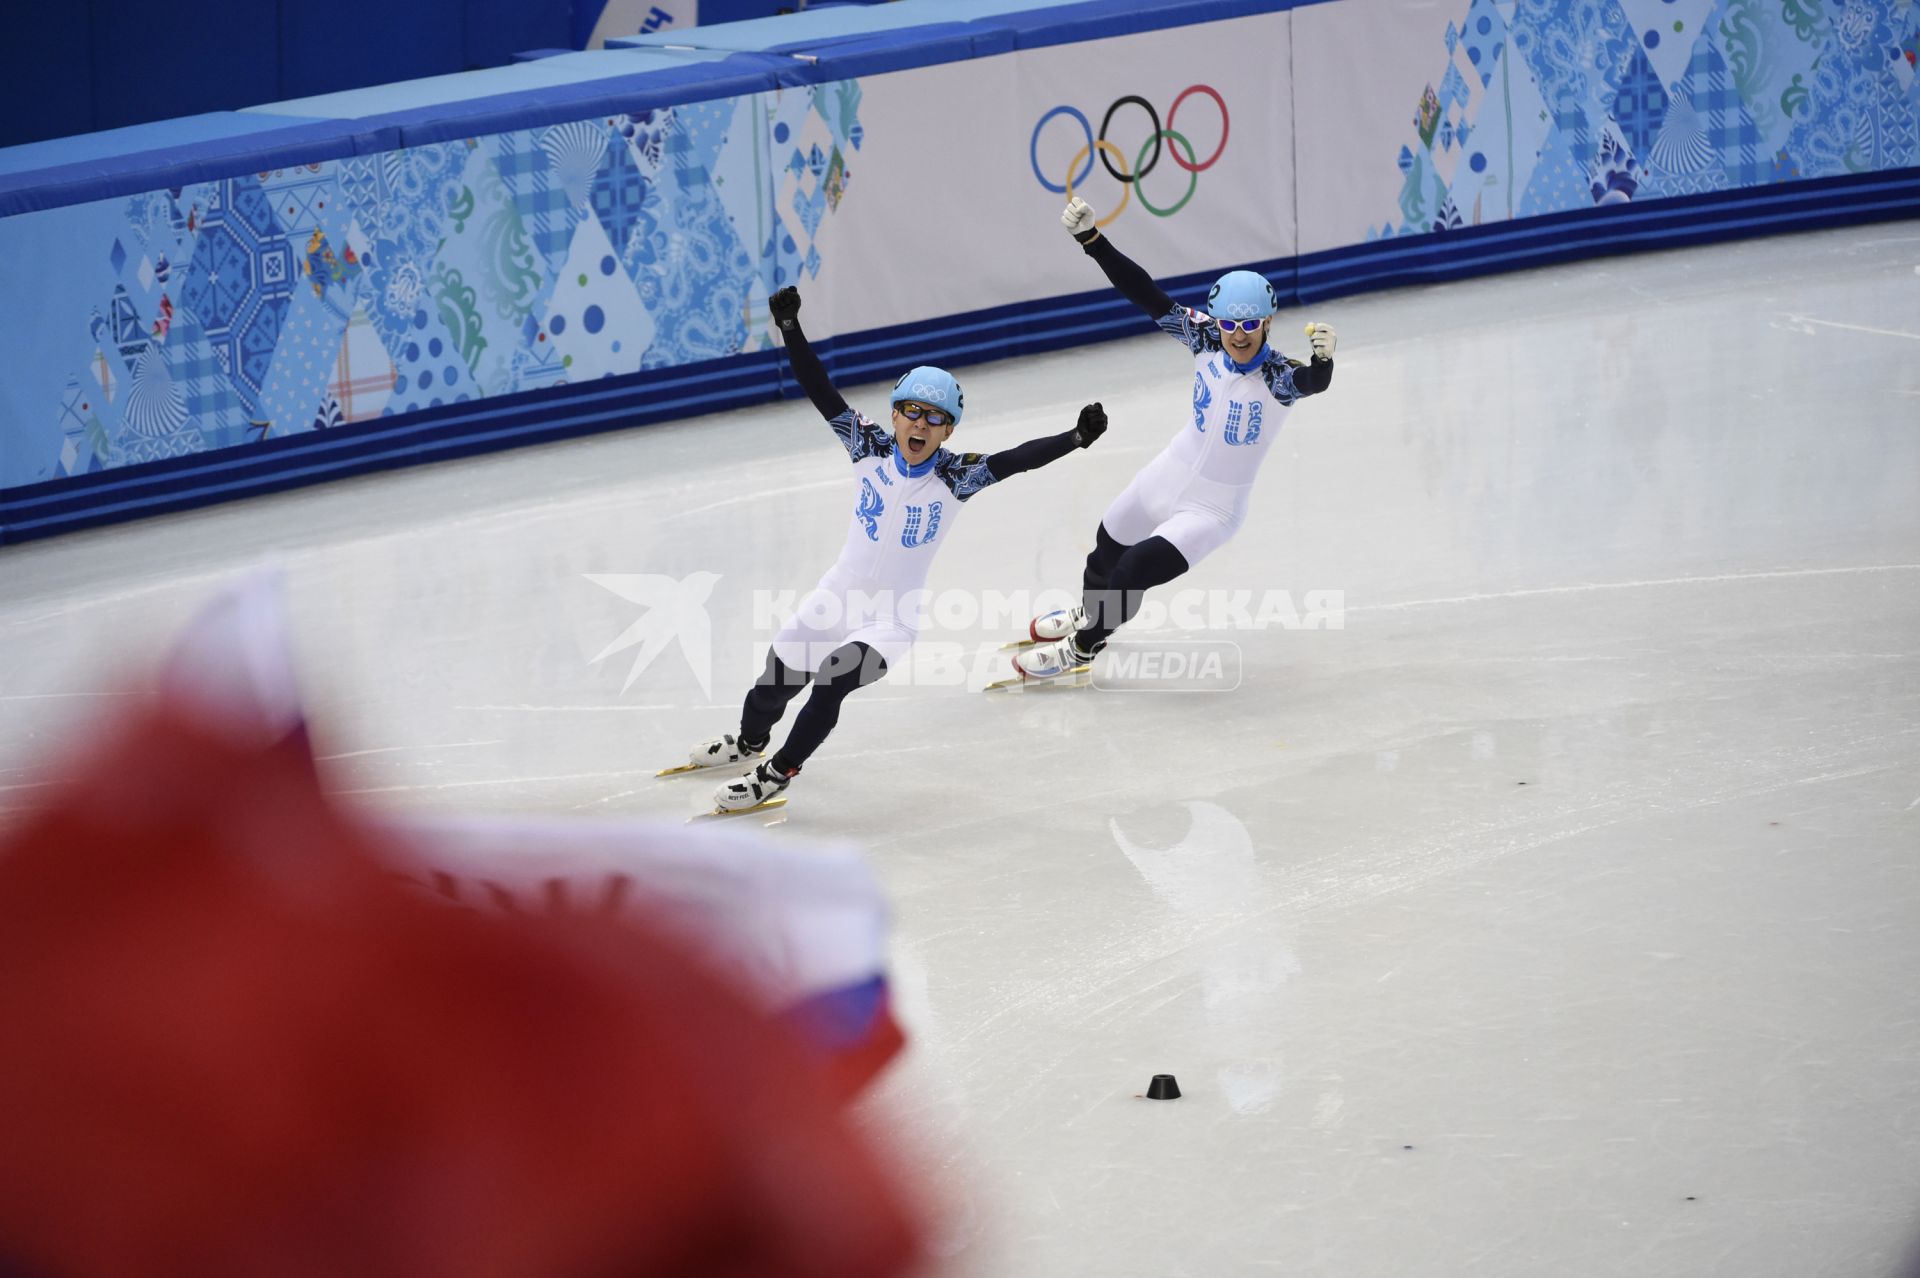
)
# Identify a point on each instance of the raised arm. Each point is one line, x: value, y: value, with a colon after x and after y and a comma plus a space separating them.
x: 967, y: 473
x: 1316, y: 375
x: 1048, y: 449
x: 807, y: 368
x: 1122, y: 271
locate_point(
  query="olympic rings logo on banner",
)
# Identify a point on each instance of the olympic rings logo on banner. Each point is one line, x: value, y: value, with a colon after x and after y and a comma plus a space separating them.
x: 1143, y: 164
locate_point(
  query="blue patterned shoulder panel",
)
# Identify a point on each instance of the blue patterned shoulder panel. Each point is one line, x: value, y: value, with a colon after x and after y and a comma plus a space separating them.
x: 1277, y: 372
x: 1195, y: 328
x: 964, y: 474
x: 862, y: 438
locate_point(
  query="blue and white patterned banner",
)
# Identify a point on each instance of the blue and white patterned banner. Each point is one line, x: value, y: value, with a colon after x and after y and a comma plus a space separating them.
x: 274, y: 304
x: 222, y: 314
x: 1493, y: 110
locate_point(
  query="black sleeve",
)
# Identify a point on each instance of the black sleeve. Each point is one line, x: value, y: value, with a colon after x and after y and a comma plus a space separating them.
x: 1133, y: 282
x: 812, y: 374
x: 1031, y: 455
x: 1313, y: 377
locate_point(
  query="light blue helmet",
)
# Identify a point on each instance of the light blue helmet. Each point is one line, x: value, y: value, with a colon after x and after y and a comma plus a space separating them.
x: 933, y: 387
x: 1241, y: 295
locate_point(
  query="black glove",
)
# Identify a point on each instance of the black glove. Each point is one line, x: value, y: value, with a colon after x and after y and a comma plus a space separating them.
x: 785, y: 306
x: 1092, y: 425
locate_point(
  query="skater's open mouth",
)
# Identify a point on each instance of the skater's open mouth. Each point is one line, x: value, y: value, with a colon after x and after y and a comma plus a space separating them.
x: 916, y: 441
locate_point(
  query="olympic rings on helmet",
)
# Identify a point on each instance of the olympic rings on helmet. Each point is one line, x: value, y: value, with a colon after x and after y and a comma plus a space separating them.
x: 1080, y: 168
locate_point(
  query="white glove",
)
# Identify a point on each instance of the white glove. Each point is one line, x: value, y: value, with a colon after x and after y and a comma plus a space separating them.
x: 1321, y: 337
x: 1078, y: 218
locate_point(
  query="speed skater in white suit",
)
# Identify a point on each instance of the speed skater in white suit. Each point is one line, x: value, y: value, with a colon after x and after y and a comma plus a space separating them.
x: 860, y: 619
x: 1190, y: 499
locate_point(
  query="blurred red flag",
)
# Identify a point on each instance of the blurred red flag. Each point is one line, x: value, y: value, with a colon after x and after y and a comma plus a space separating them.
x: 234, y: 1045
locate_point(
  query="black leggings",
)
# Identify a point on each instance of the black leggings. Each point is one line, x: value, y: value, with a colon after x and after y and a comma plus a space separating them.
x: 1118, y: 578
x: 847, y: 668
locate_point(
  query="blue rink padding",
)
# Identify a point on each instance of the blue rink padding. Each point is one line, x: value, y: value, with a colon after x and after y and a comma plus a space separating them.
x: 629, y: 76
x: 175, y: 153
x: 807, y: 48
x: 436, y: 434
x: 569, y: 87
x: 66, y: 505
x: 172, y: 153
x: 846, y: 43
x: 1672, y: 222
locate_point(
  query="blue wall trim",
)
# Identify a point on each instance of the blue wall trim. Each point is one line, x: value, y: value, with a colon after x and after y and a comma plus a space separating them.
x: 65, y: 505
x: 220, y: 145
x: 1622, y: 228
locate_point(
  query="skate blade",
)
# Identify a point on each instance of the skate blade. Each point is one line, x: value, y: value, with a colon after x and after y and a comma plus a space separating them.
x: 1074, y: 678
x: 779, y: 801
x: 1018, y: 644
x: 685, y: 768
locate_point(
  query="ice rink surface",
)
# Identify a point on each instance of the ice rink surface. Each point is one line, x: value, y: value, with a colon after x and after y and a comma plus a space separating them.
x: 1558, y: 913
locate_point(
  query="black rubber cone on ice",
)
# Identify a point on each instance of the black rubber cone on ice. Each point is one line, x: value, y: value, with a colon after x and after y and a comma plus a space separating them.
x: 1163, y: 1088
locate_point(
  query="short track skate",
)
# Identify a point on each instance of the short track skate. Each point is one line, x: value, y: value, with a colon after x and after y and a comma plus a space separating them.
x: 777, y: 801
x: 1078, y: 677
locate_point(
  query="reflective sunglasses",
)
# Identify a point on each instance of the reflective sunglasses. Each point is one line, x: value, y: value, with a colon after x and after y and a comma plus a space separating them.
x: 914, y: 412
x: 1240, y: 326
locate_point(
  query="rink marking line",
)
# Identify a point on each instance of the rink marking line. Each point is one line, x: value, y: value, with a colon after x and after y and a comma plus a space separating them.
x: 553, y: 708
x: 607, y: 798
x: 758, y: 494
x: 1856, y: 328
x: 441, y: 745
x: 1631, y: 585
x: 195, y: 580
x: 465, y: 785
x: 57, y: 696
